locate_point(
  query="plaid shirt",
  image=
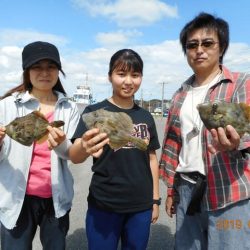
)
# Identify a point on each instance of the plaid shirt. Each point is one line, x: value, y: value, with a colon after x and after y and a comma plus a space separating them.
x: 228, y: 173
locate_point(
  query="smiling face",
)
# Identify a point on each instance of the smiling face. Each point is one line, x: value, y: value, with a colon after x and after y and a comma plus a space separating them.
x: 125, y: 83
x: 43, y: 75
x: 203, y: 50
x: 125, y: 75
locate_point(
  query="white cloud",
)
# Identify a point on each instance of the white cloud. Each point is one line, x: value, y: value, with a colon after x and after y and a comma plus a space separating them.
x: 22, y: 37
x: 163, y: 62
x: 109, y: 39
x: 10, y: 67
x: 129, y: 14
x: 120, y: 38
x: 9, y: 55
x: 238, y: 57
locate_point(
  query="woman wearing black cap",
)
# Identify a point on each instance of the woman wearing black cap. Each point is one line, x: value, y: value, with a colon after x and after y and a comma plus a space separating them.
x: 36, y: 185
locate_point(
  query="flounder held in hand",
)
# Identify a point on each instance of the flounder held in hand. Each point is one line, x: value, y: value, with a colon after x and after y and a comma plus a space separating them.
x: 30, y: 128
x: 221, y: 114
x: 117, y: 125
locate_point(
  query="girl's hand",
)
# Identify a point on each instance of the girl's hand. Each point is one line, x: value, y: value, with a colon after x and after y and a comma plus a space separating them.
x: 93, y: 142
x: 155, y: 213
x: 224, y: 140
x: 55, y: 137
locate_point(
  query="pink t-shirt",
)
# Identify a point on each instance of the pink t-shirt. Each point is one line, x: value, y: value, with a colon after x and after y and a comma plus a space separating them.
x: 39, y: 180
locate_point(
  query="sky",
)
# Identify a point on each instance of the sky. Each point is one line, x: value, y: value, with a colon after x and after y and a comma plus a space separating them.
x: 88, y: 32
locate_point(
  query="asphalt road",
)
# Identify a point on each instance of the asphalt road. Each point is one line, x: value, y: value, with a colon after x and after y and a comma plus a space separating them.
x: 161, y: 236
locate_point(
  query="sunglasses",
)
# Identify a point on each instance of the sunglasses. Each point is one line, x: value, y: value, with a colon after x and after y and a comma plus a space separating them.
x: 203, y: 44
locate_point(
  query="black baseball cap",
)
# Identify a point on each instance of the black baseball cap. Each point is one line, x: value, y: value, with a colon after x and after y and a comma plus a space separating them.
x: 36, y: 51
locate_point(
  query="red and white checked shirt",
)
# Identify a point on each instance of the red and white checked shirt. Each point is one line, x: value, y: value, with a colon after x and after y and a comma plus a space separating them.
x: 228, y: 173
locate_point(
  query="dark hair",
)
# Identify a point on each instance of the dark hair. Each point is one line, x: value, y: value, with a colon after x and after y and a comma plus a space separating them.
x: 26, y: 85
x: 127, y: 60
x: 210, y: 22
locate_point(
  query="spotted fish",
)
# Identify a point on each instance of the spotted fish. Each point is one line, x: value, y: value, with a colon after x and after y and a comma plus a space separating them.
x: 30, y: 128
x: 117, y: 125
x: 220, y: 114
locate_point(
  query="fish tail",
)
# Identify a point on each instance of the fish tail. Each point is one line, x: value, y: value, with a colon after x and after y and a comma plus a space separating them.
x: 56, y: 124
x: 246, y: 110
x: 139, y: 143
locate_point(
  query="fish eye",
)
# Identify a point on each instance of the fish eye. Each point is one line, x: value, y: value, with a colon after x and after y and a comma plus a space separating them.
x: 214, y: 107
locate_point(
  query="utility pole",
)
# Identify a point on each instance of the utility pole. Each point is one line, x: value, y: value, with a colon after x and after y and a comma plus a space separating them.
x: 142, y: 98
x: 162, y: 97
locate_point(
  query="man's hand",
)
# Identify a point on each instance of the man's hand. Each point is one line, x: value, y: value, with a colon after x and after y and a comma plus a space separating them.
x: 169, y: 206
x: 224, y: 140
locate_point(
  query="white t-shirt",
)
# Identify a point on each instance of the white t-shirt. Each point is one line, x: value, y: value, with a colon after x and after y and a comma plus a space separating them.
x: 190, y: 158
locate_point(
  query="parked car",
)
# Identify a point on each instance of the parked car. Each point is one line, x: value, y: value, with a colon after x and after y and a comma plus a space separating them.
x: 165, y: 113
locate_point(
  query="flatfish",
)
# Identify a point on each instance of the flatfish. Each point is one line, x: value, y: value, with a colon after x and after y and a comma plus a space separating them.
x: 30, y: 128
x: 117, y: 125
x: 220, y: 114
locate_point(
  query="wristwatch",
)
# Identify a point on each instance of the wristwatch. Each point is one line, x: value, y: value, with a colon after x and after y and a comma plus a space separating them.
x: 157, y: 202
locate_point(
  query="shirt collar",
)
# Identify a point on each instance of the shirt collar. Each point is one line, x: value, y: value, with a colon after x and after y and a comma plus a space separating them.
x: 24, y: 97
x: 227, y: 75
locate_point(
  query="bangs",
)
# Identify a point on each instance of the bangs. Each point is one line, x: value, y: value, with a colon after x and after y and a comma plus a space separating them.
x: 128, y: 67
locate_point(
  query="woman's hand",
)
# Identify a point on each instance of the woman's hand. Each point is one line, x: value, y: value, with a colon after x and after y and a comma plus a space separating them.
x: 55, y: 137
x: 224, y: 140
x: 2, y: 135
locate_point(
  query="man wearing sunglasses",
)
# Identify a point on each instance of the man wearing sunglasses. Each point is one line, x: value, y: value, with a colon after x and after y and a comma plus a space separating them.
x: 207, y: 172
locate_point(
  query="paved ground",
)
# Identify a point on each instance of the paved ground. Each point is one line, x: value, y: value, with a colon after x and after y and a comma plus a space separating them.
x: 161, y: 237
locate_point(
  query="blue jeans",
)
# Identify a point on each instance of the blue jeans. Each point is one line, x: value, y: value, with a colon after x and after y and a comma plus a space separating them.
x: 191, y: 231
x: 105, y: 229
x: 36, y: 211
x: 229, y: 228
x: 226, y: 228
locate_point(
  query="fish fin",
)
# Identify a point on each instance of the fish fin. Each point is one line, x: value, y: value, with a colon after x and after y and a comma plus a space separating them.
x: 42, y: 139
x: 56, y: 124
x: 139, y: 143
x: 128, y: 140
x: 115, y: 146
x: 39, y: 114
x: 246, y: 108
x: 23, y: 142
x: 27, y: 142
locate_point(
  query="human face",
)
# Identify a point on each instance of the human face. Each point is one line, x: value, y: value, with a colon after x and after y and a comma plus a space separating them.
x: 125, y: 83
x: 203, y: 51
x: 43, y: 75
